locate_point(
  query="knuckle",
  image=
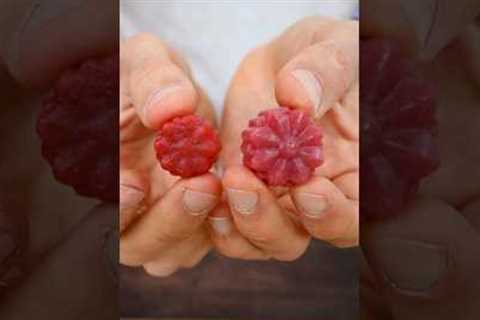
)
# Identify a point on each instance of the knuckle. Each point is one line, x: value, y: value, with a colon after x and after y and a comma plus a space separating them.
x: 147, y: 73
x: 337, y: 52
x: 315, y: 23
x: 251, y: 61
x: 144, y: 38
x: 261, y: 238
x: 172, y: 236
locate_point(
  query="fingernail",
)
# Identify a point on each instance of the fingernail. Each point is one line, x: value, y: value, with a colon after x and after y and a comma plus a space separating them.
x: 221, y: 225
x: 312, y: 205
x: 130, y: 197
x: 241, y: 201
x: 157, y: 96
x: 111, y: 252
x: 430, y: 263
x: 198, y: 203
x: 312, y: 87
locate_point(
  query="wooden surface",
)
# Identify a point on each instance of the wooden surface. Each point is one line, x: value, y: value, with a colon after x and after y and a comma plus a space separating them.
x: 320, y: 285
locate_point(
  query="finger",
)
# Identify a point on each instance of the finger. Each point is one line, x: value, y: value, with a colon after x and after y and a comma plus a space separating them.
x: 133, y: 191
x: 159, y: 87
x: 226, y: 238
x: 41, y: 39
x: 423, y: 27
x: 419, y: 258
x: 86, y: 261
x: 250, y: 93
x: 259, y: 218
x: 170, y: 220
x: 186, y: 254
x: 326, y: 212
x: 320, y: 75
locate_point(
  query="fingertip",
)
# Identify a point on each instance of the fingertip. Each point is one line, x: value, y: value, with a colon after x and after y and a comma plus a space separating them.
x: 299, y: 89
x: 206, y: 183
x: 200, y: 195
x: 326, y: 212
x: 317, y: 200
x: 239, y: 177
x: 168, y: 102
x: 220, y: 221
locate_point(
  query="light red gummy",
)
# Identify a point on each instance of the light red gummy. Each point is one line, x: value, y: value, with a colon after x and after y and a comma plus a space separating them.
x: 187, y: 146
x: 398, y: 129
x: 283, y: 147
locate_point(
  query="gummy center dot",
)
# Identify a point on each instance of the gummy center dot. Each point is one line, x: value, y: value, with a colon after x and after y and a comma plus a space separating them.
x: 289, y: 149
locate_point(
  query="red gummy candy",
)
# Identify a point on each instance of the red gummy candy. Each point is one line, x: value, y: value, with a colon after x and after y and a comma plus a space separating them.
x: 398, y: 129
x: 283, y: 147
x: 187, y: 146
x: 78, y: 127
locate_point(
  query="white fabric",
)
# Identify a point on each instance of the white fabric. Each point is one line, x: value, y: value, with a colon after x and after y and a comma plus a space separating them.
x: 214, y: 36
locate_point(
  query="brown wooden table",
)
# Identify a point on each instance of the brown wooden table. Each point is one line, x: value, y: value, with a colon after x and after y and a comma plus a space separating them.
x: 320, y: 285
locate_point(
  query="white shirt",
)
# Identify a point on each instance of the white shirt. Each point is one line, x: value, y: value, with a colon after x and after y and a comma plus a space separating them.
x: 214, y: 36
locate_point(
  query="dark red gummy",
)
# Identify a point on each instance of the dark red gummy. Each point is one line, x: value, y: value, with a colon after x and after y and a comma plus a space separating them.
x: 282, y: 147
x: 398, y: 129
x: 187, y: 146
x: 13, y: 244
x: 78, y: 127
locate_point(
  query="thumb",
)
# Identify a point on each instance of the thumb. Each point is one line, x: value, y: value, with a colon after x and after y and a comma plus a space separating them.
x: 320, y: 75
x: 42, y: 38
x: 425, y: 261
x: 424, y: 27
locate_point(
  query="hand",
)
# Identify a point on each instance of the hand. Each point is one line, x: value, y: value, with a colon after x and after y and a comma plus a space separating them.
x: 40, y: 39
x: 312, y: 66
x: 423, y: 263
x: 161, y: 216
x: 424, y: 28
x: 86, y: 261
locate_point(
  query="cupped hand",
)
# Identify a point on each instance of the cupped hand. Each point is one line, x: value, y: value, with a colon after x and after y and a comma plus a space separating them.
x: 161, y: 216
x: 423, y: 263
x: 312, y: 66
x: 40, y: 39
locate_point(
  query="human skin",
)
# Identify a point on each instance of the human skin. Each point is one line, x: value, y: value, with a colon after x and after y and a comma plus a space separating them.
x: 66, y: 233
x: 423, y: 264
x: 442, y: 224
x: 161, y: 216
x: 312, y: 66
x: 147, y: 66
